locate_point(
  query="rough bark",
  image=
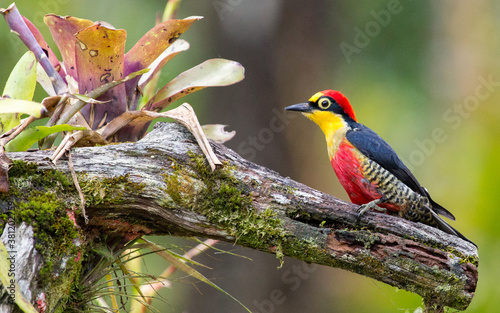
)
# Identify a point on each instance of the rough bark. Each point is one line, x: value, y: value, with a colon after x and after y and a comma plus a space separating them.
x: 164, y: 187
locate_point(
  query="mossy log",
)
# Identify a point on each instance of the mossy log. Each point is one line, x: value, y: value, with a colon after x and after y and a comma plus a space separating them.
x: 162, y: 185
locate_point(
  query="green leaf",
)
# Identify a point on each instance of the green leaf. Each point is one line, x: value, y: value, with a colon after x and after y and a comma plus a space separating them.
x: 149, y: 81
x: 7, y: 282
x: 33, y: 134
x: 174, y: 259
x: 20, y: 106
x: 44, y: 80
x: 22, y: 80
x: 20, y: 85
x: 177, y: 47
x: 211, y: 73
x: 133, y: 281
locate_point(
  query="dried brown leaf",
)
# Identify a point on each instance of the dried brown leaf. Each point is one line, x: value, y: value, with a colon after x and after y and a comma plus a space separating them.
x: 183, y: 114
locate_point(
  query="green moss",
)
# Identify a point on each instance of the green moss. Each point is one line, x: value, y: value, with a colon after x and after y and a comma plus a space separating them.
x: 47, y: 213
x: 221, y: 200
x: 360, y: 235
x: 450, y: 284
x: 299, y: 214
x: 24, y: 175
x: 72, y: 293
x: 472, y: 259
x: 309, y: 250
x: 176, y: 190
x: 224, y: 201
x: 285, y: 188
x: 98, y: 191
x: 42, y: 199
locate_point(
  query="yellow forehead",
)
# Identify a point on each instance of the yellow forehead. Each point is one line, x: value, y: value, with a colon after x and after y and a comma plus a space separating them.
x: 315, y: 97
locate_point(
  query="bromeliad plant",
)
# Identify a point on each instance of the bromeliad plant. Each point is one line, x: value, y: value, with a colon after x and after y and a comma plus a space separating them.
x: 98, y: 93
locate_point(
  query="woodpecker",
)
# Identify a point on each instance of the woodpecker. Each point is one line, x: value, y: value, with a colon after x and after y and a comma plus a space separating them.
x: 368, y: 168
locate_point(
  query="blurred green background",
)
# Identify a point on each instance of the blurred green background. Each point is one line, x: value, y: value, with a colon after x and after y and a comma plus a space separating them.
x: 425, y: 75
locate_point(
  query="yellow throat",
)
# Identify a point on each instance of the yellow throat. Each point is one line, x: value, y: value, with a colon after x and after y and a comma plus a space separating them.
x: 333, y: 126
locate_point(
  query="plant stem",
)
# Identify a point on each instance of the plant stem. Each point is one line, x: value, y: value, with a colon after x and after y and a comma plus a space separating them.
x: 171, y: 9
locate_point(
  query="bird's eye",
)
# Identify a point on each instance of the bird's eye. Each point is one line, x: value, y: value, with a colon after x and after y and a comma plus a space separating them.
x: 324, y: 103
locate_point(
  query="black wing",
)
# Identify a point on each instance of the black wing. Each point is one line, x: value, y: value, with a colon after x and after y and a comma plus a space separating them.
x: 379, y: 151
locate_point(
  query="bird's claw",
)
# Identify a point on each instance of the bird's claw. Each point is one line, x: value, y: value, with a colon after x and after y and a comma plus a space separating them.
x: 371, y: 205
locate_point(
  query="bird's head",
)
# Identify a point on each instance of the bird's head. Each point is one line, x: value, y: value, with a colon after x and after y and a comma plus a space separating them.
x: 330, y: 109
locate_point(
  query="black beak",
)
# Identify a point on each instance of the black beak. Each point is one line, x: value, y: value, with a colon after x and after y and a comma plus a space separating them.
x: 301, y: 107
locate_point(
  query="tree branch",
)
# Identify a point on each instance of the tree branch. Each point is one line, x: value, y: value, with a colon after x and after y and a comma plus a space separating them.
x: 166, y: 187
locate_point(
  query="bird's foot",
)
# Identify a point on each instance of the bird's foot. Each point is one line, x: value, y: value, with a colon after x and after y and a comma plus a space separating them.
x: 371, y: 205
